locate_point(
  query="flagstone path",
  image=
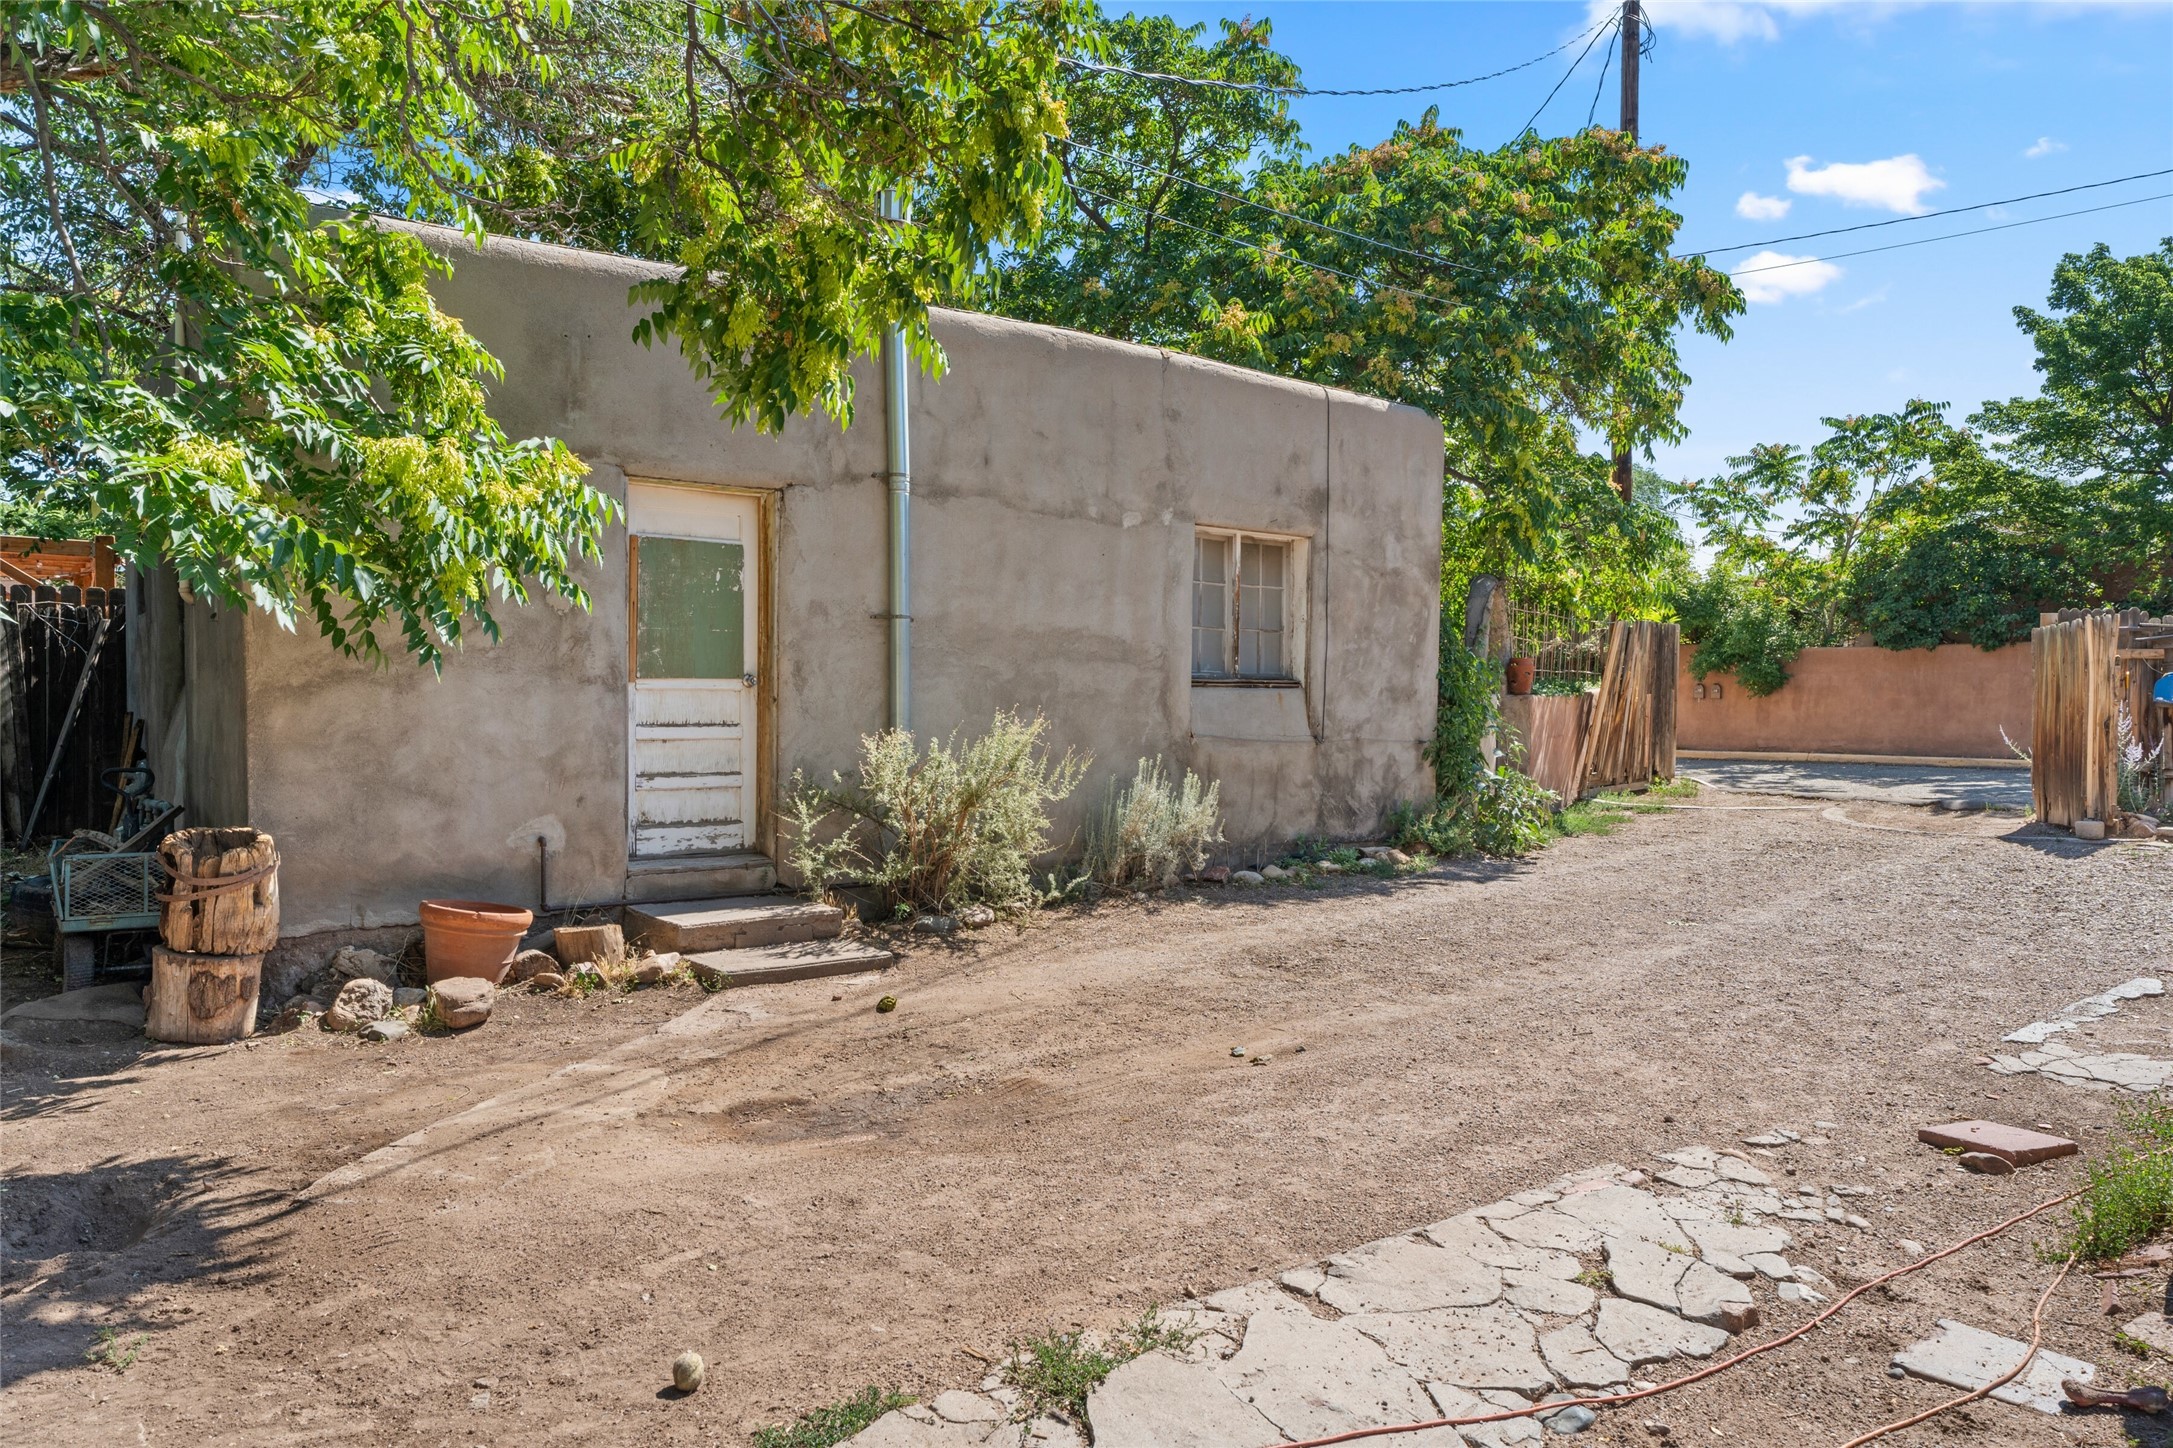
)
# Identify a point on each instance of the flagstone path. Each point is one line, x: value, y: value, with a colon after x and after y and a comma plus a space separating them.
x: 1565, y: 1291
x: 2092, y: 1070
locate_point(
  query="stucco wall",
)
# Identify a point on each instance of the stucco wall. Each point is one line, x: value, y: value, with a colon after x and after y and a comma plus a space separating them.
x: 1057, y: 479
x: 1946, y: 702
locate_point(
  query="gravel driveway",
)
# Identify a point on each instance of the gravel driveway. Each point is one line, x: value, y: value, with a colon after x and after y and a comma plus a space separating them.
x: 1051, y: 1130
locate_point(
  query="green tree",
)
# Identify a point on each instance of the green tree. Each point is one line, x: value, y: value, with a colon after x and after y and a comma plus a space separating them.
x: 1519, y: 295
x: 1973, y: 550
x: 270, y: 400
x: 2103, y: 417
x: 1786, y: 527
x: 274, y: 406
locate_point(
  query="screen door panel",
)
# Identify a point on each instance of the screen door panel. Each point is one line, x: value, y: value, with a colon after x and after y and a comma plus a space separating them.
x: 693, y: 707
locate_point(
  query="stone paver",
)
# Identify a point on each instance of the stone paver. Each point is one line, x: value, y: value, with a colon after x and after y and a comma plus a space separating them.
x: 1554, y: 1296
x: 1472, y: 1347
x: 1962, y: 1356
x: 1578, y: 1359
x: 1158, y: 1402
x: 1490, y: 1310
x: 1708, y: 1295
x: 1640, y: 1334
x: 1312, y: 1377
x: 1404, y: 1274
x: 1546, y: 1227
x: 2091, y: 1070
x: 1454, y: 1402
x: 1619, y: 1211
x: 2153, y: 1330
x: 1645, y: 1271
x: 1730, y: 1247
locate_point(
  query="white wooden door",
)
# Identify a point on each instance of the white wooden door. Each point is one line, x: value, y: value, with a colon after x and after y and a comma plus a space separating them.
x: 692, y: 710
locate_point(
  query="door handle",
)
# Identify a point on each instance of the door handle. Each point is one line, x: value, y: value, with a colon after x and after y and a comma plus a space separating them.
x: 748, y: 680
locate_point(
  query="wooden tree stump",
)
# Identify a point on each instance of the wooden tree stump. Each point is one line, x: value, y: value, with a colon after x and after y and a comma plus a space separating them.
x: 225, y: 894
x: 201, y: 1000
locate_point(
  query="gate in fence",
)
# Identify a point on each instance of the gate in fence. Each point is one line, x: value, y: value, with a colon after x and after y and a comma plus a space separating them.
x: 1602, y: 711
x: 63, y: 707
x: 2097, y: 737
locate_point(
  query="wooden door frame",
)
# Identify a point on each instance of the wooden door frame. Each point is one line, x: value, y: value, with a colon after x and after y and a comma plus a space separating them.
x: 760, y: 809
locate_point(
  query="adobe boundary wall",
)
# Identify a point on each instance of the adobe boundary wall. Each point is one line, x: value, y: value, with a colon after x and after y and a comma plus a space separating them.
x: 1948, y: 702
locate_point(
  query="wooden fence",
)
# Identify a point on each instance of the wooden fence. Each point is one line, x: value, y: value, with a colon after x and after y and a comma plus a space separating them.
x: 2091, y: 671
x: 84, y: 562
x: 1630, y: 734
x: 63, y: 707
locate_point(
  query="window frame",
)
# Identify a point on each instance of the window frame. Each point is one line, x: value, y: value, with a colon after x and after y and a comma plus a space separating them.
x: 1295, y: 566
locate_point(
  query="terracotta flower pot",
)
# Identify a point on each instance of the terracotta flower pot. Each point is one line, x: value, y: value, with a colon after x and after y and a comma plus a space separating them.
x: 471, y: 937
x: 1519, y: 673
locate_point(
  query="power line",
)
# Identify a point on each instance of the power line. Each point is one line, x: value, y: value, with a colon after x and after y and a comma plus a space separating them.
x: 1606, y: 61
x: 1426, y: 256
x: 1928, y: 215
x: 1527, y: 126
x: 1077, y: 63
x: 1953, y: 235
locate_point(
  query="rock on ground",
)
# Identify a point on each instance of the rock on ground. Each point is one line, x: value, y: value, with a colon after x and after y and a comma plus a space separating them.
x: 531, y: 963
x: 360, y: 1001
x: 353, y: 962
x: 462, y: 1001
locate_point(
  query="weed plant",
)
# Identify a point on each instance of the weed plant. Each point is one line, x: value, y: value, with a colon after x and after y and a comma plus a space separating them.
x: 1055, y: 1373
x: 1151, y: 833
x: 832, y: 1424
x: 2129, y: 1199
x: 115, y: 1350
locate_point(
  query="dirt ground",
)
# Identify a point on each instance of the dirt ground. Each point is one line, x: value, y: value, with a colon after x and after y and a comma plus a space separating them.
x: 1051, y: 1130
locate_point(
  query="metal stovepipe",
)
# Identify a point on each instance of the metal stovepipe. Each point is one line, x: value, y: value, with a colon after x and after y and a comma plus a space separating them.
x: 899, y: 476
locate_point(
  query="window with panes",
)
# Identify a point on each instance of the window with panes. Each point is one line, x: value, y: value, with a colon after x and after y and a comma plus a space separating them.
x: 1244, y: 607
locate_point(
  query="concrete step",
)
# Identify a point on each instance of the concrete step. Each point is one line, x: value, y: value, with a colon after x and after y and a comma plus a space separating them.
x: 693, y: 926
x: 700, y: 877
x: 762, y: 964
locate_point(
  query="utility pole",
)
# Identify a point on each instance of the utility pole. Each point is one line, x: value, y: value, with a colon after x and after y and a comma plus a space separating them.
x: 1632, y: 37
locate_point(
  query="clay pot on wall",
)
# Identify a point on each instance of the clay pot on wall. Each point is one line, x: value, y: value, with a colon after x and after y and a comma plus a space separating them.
x: 1519, y: 673
x: 471, y: 938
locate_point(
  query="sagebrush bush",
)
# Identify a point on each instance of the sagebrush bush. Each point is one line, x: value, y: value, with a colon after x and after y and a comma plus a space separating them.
x: 1151, y: 832
x: 939, y: 827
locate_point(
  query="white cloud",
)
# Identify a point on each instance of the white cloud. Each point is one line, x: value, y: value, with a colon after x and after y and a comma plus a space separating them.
x: 1728, y: 21
x: 1772, y: 276
x: 1897, y: 183
x: 1753, y: 207
x: 1871, y: 299
x: 2045, y: 146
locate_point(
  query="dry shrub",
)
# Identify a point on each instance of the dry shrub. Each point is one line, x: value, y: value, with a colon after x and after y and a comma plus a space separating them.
x: 1152, y: 833
x: 954, y: 824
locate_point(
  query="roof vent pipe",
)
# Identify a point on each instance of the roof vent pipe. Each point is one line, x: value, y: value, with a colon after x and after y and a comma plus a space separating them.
x: 899, y: 475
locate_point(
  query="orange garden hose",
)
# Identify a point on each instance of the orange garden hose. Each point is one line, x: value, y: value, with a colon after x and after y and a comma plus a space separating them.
x: 1712, y: 1369
x: 2037, y: 1336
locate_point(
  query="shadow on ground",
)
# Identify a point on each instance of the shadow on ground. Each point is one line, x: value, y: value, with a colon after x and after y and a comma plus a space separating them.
x: 81, y: 1248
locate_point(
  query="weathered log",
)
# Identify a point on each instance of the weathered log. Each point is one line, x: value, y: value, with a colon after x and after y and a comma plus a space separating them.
x: 201, y: 1000
x: 224, y: 899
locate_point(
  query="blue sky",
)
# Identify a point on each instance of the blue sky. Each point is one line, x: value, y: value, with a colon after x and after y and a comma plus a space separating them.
x: 1961, y: 102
